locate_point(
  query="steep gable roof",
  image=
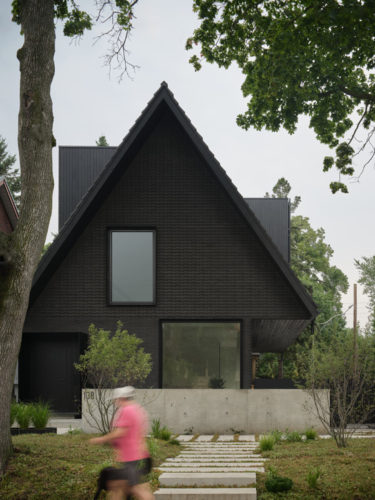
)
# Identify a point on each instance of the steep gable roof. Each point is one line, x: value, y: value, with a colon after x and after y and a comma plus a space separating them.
x: 127, y: 149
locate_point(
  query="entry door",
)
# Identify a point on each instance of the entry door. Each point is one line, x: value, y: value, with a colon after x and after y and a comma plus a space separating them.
x: 47, y: 370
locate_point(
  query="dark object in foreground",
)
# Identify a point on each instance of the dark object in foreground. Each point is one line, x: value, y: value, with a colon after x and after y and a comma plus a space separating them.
x: 15, y: 431
x: 276, y: 483
x: 112, y: 473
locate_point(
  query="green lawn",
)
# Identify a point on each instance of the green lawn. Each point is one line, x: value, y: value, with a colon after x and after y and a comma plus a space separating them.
x: 61, y: 467
x: 346, y: 473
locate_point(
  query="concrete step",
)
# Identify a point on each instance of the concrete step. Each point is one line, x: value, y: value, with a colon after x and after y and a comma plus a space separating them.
x: 252, y: 468
x: 221, y: 460
x: 213, y: 464
x: 199, y: 479
x: 206, y: 494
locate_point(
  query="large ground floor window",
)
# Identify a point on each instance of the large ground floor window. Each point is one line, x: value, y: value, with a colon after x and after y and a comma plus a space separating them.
x: 201, y: 355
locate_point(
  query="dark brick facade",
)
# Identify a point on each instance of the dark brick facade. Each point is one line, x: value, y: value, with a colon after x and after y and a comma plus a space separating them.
x: 210, y: 264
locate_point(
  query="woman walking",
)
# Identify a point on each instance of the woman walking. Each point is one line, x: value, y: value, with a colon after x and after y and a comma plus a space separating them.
x: 128, y: 439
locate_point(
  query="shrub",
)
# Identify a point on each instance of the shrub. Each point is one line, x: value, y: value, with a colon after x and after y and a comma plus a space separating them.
x: 266, y: 443
x: 165, y: 434
x: 110, y: 360
x: 311, y: 434
x: 153, y: 446
x: 313, y: 477
x: 40, y: 413
x: 155, y: 428
x: 275, y: 483
x: 217, y: 383
x: 158, y: 432
x: 293, y: 437
x: 23, y: 415
x: 13, y: 412
x: 277, y: 436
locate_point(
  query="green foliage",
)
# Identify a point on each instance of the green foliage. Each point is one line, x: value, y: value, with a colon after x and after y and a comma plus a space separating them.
x: 217, y: 383
x: 310, y: 259
x: 313, y: 476
x: 175, y: 442
x: 155, y: 428
x: 276, y: 483
x: 298, y: 58
x: 334, y: 365
x: 7, y: 170
x: 293, y: 437
x: 102, y: 141
x: 40, y: 414
x: 266, y: 443
x: 159, y: 432
x: 311, y: 434
x: 113, y: 360
x: 23, y: 415
x: 277, y: 435
x: 165, y: 434
x: 366, y: 268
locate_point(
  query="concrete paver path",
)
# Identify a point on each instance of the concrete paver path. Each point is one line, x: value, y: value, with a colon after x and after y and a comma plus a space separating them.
x: 221, y: 470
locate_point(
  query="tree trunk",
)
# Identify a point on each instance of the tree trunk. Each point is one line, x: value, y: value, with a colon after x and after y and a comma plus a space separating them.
x: 20, y: 252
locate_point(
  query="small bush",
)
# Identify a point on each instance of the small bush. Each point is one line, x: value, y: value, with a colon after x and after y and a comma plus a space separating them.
x: 313, y: 477
x: 165, y: 433
x: 153, y: 447
x: 40, y: 413
x: 13, y: 412
x: 293, y: 437
x: 277, y: 436
x: 23, y: 415
x: 311, y: 434
x: 275, y: 483
x: 217, y: 383
x: 155, y: 428
x: 266, y: 443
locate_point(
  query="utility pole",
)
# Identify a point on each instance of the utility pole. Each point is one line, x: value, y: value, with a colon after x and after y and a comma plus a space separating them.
x: 355, y: 348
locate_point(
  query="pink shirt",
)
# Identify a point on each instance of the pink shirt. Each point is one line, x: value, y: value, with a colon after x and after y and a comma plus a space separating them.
x: 131, y: 446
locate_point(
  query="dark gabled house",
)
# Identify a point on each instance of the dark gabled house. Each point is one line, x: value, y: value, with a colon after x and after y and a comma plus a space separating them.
x: 8, y: 208
x: 154, y: 233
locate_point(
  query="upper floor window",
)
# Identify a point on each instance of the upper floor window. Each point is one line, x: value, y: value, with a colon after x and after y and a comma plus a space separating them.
x: 132, y: 267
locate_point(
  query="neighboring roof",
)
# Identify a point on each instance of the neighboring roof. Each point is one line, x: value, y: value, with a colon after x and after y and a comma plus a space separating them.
x: 274, y: 215
x: 8, y: 202
x: 127, y: 149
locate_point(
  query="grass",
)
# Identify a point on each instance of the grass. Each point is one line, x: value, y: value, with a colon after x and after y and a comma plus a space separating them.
x: 344, y: 474
x: 54, y: 466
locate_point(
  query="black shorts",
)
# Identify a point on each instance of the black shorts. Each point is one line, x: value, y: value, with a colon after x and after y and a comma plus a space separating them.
x: 134, y: 472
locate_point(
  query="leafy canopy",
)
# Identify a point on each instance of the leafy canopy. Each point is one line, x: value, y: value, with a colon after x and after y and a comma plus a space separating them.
x: 102, y: 141
x: 366, y: 268
x: 310, y: 259
x: 299, y: 57
x: 113, y: 360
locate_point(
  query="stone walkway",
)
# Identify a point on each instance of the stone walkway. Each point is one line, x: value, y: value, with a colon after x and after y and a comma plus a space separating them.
x: 220, y: 470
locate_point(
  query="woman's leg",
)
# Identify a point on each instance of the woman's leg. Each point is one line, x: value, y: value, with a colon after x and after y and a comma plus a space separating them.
x: 117, y: 489
x: 142, y: 491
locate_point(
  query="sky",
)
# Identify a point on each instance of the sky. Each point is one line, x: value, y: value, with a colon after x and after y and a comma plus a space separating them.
x: 88, y: 103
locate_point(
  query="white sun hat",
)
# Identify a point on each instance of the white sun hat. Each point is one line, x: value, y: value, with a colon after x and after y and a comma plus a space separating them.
x: 123, y: 392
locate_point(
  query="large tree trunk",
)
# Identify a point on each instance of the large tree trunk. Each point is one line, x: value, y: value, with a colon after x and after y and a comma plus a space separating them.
x: 20, y: 252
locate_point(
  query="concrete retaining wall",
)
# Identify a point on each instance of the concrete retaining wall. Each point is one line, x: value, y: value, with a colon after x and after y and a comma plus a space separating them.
x: 209, y: 411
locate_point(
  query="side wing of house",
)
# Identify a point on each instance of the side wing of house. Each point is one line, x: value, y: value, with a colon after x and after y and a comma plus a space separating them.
x: 163, y: 242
